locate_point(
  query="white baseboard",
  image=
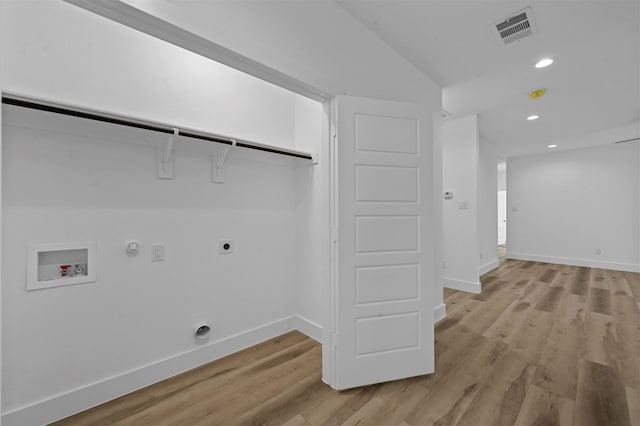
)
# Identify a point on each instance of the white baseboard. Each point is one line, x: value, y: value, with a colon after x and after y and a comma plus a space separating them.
x: 468, y: 286
x: 58, y: 407
x: 489, y: 267
x: 439, y: 312
x: 66, y: 404
x: 628, y: 267
x: 310, y: 328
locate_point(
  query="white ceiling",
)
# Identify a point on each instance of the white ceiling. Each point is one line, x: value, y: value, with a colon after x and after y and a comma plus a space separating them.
x: 593, y: 89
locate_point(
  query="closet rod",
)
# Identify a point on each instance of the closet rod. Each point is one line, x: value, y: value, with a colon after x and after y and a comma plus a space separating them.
x: 628, y: 140
x: 140, y: 124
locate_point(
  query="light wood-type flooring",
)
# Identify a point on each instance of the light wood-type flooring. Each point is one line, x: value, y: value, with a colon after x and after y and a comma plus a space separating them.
x: 542, y: 344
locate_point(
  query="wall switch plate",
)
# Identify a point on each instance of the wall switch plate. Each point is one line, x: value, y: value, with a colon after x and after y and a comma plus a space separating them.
x: 157, y: 252
x: 225, y: 246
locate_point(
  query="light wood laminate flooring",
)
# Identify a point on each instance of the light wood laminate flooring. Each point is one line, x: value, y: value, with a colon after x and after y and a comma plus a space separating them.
x: 542, y: 344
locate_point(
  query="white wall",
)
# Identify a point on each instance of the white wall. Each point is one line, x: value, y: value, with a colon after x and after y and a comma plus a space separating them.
x: 73, y: 56
x: 460, y: 176
x: 502, y: 176
x: 69, y: 55
x: 292, y: 37
x: 312, y: 216
x: 562, y: 206
x: 1, y: 256
x: 487, y: 207
x: 68, y: 182
x: 440, y: 307
x: 68, y: 179
x: 1, y: 221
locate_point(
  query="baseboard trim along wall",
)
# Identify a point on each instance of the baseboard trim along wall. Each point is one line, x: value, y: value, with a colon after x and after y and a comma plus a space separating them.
x: 309, y: 328
x: 439, y: 312
x: 467, y: 286
x: 489, y: 267
x: 64, y: 405
x: 80, y: 399
x: 627, y: 267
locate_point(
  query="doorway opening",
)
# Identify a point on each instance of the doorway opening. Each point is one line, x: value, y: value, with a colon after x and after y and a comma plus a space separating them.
x: 502, y: 209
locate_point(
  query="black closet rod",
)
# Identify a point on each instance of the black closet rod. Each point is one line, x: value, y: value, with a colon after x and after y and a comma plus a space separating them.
x: 629, y: 140
x: 9, y: 100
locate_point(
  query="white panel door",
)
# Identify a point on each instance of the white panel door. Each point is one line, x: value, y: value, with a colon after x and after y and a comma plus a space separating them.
x: 382, y: 249
x: 502, y: 217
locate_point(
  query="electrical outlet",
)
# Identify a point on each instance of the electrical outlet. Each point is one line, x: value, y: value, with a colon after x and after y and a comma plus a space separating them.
x: 157, y: 253
x: 225, y: 246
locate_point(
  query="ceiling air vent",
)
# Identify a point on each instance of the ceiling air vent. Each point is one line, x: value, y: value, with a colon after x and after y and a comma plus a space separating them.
x: 516, y: 26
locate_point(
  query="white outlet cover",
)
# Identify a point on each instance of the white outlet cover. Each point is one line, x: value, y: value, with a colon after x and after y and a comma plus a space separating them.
x: 157, y: 253
x: 225, y: 246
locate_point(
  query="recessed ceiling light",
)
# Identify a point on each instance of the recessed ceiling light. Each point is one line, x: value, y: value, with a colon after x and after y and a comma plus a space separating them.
x: 532, y: 117
x: 545, y: 62
x: 551, y: 146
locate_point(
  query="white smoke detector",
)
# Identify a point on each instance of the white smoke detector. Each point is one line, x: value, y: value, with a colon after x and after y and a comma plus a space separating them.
x: 516, y: 26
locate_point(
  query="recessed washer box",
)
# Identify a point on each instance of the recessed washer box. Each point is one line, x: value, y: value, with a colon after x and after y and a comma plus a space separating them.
x: 54, y: 265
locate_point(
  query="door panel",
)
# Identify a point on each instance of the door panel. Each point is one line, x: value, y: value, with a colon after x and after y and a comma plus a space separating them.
x: 373, y: 133
x: 382, y: 260
x: 379, y: 334
x: 386, y: 183
x: 372, y: 283
x: 386, y: 233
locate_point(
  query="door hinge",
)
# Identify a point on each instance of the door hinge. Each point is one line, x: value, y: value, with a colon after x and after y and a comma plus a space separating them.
x: 334, y: 340
x: 334, y: 235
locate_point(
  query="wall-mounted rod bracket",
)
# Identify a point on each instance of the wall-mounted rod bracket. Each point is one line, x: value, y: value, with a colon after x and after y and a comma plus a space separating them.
x: 165, y: 157
x: 218, y: 160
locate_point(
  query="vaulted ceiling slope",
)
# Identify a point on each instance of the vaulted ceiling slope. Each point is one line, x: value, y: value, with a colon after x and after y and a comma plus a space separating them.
x: 592, y: 90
